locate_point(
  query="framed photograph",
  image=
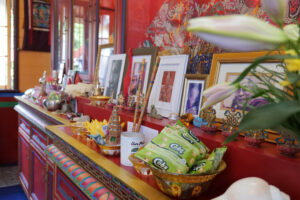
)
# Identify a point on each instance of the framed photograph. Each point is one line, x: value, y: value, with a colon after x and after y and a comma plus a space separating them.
x: 194, y: 85
x: 227, y: 67
x: 149, y: 54
x: 167, y: 87
x: 104, y: 51
x: 114, y: 76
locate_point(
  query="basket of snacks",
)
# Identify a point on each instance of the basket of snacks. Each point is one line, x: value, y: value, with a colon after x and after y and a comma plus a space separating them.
x: 181, y: 164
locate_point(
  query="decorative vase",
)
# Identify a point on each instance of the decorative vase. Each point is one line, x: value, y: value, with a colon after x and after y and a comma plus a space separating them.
x: 288, y: 150
x: 254, y: 141
x: 226, y: 133
x: 210, y: 130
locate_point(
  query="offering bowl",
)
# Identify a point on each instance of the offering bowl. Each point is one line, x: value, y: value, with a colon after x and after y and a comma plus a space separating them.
x: 111, y: 150
x: 184, y: 186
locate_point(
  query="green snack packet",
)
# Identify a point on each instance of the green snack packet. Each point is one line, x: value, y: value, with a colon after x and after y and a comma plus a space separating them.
x: 162, y: 159
x: 172, y: 142
x: 212, y: 162
x: 198, y: 167
x: 188, y: 135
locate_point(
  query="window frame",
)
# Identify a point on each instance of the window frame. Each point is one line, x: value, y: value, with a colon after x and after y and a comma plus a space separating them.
x: 15, y: 88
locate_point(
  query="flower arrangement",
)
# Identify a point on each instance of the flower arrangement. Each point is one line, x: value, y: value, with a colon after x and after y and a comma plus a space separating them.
x: 280, y: 89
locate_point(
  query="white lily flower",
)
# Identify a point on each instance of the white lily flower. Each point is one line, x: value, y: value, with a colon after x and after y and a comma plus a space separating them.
x: 276, y: 9
x: 238, y: 32
x: 292, y: 31
x: 218, y: 93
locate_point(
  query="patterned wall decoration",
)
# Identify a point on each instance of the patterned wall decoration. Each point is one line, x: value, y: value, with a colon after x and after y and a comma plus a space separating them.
x: 167, y: 30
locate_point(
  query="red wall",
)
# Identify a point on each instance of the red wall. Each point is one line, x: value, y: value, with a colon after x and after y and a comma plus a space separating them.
x: 139, y: 15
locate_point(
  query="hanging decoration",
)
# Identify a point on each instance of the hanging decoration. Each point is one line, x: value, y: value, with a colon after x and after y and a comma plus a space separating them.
x: 37, y: 25
x: 167, y: 30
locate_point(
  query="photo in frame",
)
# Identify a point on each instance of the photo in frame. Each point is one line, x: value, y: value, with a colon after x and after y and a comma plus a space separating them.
x: 226, y: 67
x: 135, y: 74
x: 138, y: 54
x: 115, y: 70
x: 167, y: 87
x: 103, y: 54
x: 192, y: 95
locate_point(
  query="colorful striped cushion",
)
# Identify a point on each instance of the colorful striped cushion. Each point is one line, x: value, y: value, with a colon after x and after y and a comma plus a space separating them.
x: 89, y: 185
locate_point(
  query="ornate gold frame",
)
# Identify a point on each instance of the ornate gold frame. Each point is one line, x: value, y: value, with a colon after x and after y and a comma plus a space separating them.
x: 243, y: 57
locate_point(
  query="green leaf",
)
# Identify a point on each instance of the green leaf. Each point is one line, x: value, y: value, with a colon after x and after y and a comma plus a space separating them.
x: 258, y: 61
x: 134, y: 150
x: 292, y: 77
x: 269, y: 116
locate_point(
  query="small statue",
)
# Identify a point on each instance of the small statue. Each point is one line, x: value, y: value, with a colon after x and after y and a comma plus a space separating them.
x: 111, y: 100
x: 42, y: 82
x: 97, y: 90
x: 209, y: 116
x: 130, y: 101
x: 114, y: 128
x: 121, y: 99
x: 154, y: 114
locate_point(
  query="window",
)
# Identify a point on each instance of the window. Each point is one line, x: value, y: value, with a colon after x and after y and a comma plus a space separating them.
x: 7, y: 50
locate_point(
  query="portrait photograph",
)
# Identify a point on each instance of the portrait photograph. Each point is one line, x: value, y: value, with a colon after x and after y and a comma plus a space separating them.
x: 194, y: 86
x: 226, y: 67
x: 168, y: 84
x: 166, y: 89
x: 135, y: 74
x: 135, y: 77
x: 115, y: 75
x: 238, y: 99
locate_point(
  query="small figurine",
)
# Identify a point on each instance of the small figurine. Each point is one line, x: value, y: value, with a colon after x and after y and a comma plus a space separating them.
x: 187, y: 119
x: 97, y: 90
x: 114, y: 128
x: 255, y: 137
x: 230, y: 122
x: 209, y: 115
x: 130, y: 101
x: 42, y: 82
x: 154, y: 113
x: 121, y: 99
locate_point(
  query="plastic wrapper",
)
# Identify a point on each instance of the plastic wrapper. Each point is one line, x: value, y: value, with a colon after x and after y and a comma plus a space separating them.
x: 211, y: 164
x: 173, y: 142
x: 162, y: 159
x: 190, y: 137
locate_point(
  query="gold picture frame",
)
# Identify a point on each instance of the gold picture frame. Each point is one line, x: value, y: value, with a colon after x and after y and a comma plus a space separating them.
x: 224, y: 64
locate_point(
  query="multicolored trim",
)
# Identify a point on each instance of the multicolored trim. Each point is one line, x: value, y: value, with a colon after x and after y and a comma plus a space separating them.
x: 89, y: 185
x: 120, y: 188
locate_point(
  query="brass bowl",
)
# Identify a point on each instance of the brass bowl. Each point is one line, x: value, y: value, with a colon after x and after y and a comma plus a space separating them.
x: 76, y: 125
x: 99, y: 100
x: 140, y: 166
x: 184, y: 186
x: 52, y: 105
x: 111, y: 150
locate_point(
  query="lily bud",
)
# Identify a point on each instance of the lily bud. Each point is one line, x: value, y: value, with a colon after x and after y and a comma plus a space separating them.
x: 292, y: 31
x: 218, y: 93
x: 275, y: 9
x: 238, y: 32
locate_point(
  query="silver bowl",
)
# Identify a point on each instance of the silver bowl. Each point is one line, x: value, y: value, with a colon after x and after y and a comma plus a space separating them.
x: 52, y: 105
